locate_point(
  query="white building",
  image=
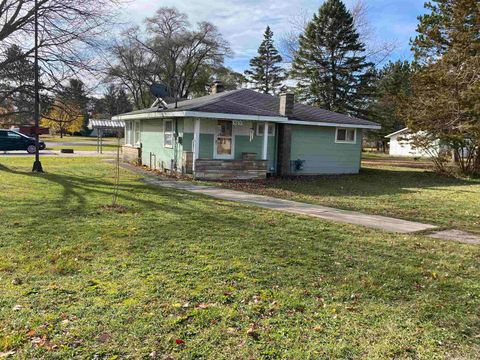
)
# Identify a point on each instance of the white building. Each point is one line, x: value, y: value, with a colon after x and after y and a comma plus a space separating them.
x: 401, y: 145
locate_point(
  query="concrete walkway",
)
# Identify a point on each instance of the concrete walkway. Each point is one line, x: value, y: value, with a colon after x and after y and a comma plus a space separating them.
x: 318, y: 211
x: 323, y: 212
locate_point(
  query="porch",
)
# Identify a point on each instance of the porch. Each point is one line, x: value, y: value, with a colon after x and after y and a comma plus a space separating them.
x: 230, y: 169
x: 241, y: 149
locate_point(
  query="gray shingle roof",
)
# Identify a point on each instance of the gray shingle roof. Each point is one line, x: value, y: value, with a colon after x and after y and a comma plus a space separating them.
x: 249, y: 102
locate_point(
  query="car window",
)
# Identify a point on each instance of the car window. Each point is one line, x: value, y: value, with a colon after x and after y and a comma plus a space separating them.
x: 13, y: 135
x: 3, y: 134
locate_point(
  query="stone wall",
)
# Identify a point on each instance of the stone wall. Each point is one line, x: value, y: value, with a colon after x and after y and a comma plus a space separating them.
x: 131, y: 154
x: 230, y: 169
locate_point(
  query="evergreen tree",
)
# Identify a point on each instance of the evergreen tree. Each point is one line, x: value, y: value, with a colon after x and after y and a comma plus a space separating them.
x: 445, y: 101
x: 392, y: 84
x: 265, y: 71
x: 16, y: 86
x: 115, y: 101
x: 330, y: 64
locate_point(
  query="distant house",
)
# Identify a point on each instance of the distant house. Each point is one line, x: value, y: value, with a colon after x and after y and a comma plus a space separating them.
x: 401, y: 144
x: 244, y: 134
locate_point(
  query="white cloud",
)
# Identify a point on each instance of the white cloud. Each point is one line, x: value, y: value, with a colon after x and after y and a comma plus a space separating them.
x: 242, y: 23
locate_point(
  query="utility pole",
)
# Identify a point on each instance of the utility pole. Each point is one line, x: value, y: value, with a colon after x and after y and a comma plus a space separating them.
x: 37, y: 165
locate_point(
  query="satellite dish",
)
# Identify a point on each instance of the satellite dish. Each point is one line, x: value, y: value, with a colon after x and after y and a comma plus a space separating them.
x: 159, y: 90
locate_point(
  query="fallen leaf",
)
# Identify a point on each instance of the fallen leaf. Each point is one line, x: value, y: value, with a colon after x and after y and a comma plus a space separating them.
x: 7, y: 353
x: 179, y: 342
x: 252, y: 332
x: 104, y: 337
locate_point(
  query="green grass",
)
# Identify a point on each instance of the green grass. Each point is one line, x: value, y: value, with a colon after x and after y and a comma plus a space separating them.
x: 407, y: 193
x: 106, y: 147
x: 230, y: 281
x: 69, y: 138
x: 109, y: 144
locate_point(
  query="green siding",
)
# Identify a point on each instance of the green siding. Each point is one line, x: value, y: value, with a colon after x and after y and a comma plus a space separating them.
x: 243, y: 144
x: 322, y: 155
x: 187, y: 141
x: 206, y: 144
x: 315, y: 145
x: 152, y: 142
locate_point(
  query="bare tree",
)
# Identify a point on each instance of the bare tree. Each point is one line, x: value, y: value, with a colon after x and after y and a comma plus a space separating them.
x: 71, y: 35
x: 169, y: 51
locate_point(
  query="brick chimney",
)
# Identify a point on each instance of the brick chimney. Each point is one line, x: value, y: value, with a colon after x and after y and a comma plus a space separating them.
x: 217, y: 87
x: 286, y: 104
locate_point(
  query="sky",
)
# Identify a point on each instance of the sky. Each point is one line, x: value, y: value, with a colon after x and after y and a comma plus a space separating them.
x: 243, y: 22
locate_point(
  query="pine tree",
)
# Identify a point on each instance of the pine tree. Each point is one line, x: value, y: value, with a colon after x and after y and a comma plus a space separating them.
x: 445, y: 101
x: 264, y: 71
x: 330, y: 64
x: 392, y: 84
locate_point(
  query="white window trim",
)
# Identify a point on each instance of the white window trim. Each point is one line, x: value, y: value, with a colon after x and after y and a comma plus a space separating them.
x: 129, y: 133
x: 270, y: 128
x: 346, y: 141
x: 225, y: 157
x: 169, y: 132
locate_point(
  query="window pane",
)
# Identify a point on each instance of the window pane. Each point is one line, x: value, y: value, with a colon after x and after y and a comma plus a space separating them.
x: 270, y: 129
x: 351, y: 135
x: 168, y: 126
x: 341, y: 134
x: 13, y: 135
x: 168, y: 139
x: 224, y: 128
x: 224, y: 146
x: 260, y: 129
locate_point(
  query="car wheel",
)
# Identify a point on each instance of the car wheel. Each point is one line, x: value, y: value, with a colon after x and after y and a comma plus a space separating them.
x: 31, y: 149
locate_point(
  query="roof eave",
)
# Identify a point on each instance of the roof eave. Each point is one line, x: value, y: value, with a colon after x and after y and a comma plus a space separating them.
x: 210, y: 115
x: 396, y: 132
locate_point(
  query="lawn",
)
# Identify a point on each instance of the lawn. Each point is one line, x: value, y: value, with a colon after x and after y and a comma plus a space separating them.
x: 398, y: 191
x: 79, y: 143
x: 106, y: 147
x: 69, y: 138
x: 182, y: 276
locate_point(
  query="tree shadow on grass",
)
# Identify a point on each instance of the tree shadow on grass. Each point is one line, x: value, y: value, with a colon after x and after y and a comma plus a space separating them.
x: 76, y: 190
x: 369, y: 182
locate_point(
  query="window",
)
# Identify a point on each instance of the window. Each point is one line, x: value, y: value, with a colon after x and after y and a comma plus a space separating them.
x: 129, y: 133
x: 261, y: 127
x: 137, y: 134
x: 168, y: 133
x: 13, y: 135
x: 345, y: 136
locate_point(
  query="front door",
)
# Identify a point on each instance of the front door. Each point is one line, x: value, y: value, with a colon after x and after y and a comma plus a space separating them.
x: 224, y: 140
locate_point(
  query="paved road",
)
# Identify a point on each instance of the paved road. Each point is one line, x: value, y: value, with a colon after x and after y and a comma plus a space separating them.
x: 77, y: 143
x: 57, y: 153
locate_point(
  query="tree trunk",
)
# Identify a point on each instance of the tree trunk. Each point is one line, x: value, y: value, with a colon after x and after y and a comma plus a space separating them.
x: 476, y: 161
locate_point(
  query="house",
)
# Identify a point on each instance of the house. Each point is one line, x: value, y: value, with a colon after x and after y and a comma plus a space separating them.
x: 401, y: 144
x: 243, y: 134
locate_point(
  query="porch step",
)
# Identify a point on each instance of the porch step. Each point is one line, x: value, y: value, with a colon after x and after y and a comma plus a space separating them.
x: 230, y: 174
x: 239, y: 165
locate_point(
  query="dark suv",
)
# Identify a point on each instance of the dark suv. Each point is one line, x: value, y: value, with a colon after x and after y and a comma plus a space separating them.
x: 13, y: 140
